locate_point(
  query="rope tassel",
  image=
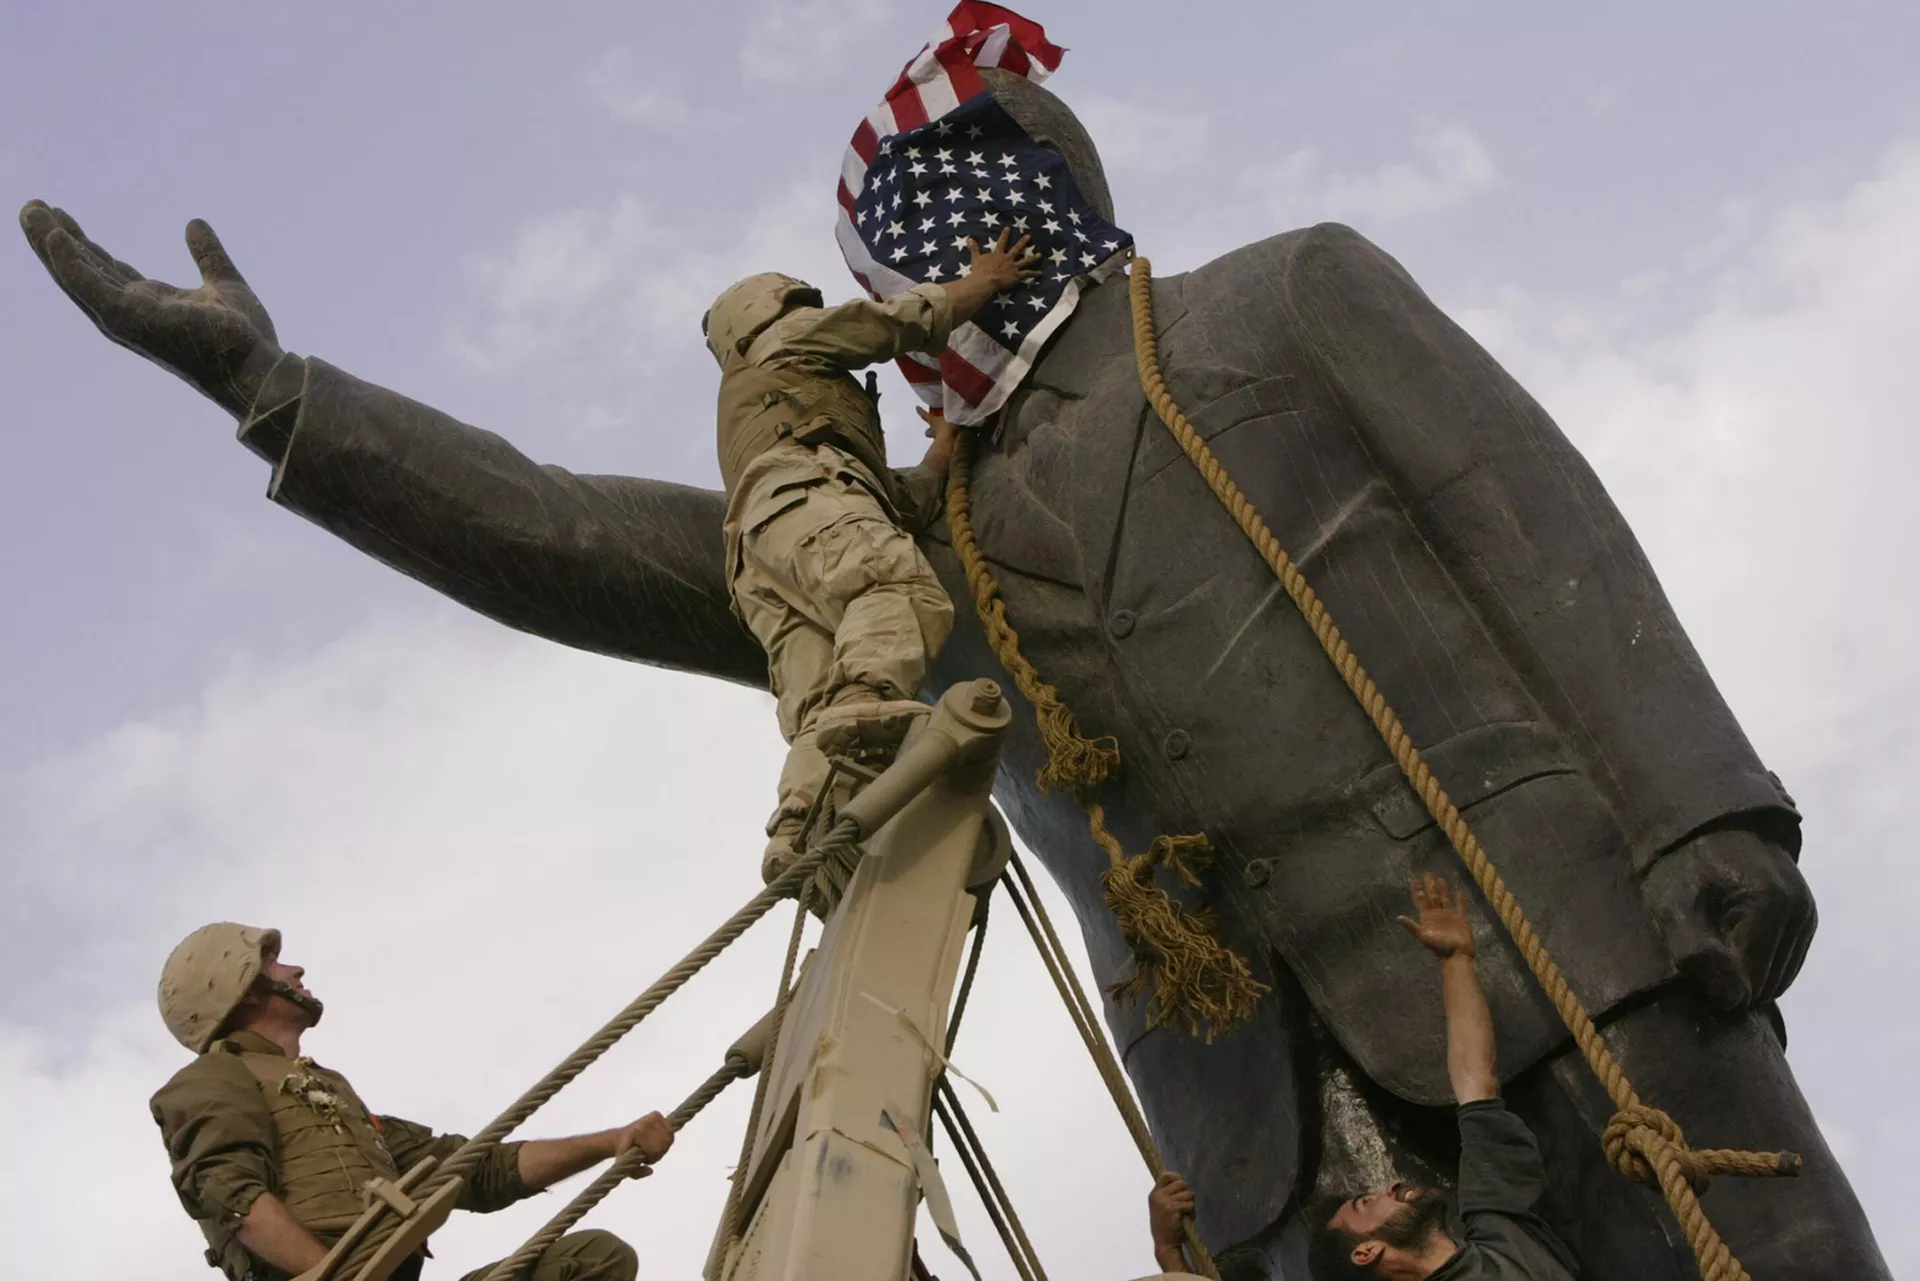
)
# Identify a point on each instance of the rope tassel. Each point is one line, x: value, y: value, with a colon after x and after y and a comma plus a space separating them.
x: 1178, y: 963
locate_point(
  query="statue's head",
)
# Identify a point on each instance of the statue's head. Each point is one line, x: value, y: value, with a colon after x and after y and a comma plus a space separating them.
x: 1053, y: 125
x: 1009, y: 160
x: 1358, y: 1237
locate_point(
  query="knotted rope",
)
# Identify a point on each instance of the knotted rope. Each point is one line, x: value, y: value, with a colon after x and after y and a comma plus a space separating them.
x: 1642, y: 1142
x: 1178, y: 962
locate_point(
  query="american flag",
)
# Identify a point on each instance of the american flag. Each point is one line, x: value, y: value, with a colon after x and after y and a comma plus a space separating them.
x: 939, y: 162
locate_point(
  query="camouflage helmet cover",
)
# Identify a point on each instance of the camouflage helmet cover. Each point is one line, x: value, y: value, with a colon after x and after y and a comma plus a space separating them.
x: 749, y: 306
x: 208, y: 975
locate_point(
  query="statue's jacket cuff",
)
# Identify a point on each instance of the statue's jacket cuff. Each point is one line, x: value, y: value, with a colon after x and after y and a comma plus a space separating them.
x: 269, y: 425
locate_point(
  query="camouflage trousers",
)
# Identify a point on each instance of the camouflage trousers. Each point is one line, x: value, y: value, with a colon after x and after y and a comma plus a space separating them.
x: 839, y: 596
x: 592, y: 1255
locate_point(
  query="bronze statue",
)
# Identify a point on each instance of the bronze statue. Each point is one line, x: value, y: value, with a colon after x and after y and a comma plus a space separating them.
x: 1472, y: 558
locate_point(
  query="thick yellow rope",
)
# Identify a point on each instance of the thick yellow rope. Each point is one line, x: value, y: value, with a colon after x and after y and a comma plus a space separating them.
x: 1074, y: 762
x: 1641, y: 1141
x: 1178, y: 962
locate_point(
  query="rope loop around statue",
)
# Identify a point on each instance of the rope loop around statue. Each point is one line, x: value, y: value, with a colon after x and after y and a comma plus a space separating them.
x: 1641, y: 1141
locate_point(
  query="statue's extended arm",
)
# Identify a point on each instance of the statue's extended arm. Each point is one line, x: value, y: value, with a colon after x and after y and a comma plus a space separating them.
x: 631, y: 568
x: 619, y: 566
x: 1530, y: 536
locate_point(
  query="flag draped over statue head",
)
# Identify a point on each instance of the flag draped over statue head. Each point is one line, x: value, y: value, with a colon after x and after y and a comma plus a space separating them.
x: 939, y: 162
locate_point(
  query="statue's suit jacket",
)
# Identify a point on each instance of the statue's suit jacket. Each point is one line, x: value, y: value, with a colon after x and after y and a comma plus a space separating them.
x: 1469, y: 554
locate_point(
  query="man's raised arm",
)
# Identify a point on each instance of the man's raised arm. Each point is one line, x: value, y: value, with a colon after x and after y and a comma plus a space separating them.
x: 630, y: 568
x: 1443, y: 929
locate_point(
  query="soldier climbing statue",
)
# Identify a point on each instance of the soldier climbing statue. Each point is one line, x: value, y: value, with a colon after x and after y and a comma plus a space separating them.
x: 1471, y: 555
x: 820, y: 557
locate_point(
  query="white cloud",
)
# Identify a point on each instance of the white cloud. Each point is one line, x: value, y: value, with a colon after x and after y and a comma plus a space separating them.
x: 1453, y: 168
x: 619, y: 290
x: 589, y: 282
x: 74, y: 1101
x: 1185, y: 199
x: 1137, y: 136
x: 480, y: 846
x: 626, y: 92
x: 791, y: 42
x: 593, y: 314
x: 1760, y: 448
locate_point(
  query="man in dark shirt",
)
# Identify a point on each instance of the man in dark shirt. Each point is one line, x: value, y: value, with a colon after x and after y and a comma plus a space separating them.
x: 1400, y: 1232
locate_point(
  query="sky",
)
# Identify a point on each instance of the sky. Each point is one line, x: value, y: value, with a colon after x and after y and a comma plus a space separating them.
x: 1687, y: 229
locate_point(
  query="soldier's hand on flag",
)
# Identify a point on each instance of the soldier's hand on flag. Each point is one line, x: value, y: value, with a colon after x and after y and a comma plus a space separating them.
x: 1003, y: 266
x: 938, y: 428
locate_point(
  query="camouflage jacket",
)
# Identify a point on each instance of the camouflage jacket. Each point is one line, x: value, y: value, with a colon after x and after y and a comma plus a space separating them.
x: 229, y: 1142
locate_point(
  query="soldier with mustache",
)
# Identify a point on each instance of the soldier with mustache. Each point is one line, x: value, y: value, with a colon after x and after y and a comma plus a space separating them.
x: 272, y: 1153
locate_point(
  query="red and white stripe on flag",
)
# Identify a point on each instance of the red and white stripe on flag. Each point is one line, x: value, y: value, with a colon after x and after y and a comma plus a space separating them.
x: 944, y: 74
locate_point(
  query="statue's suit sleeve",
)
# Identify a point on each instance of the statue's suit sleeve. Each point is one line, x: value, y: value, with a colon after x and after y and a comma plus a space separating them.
x: 620, y: 566
x: 1528, y: 532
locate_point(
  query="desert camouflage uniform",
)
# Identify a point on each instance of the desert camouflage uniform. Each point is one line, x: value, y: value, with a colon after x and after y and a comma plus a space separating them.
x: 819, y: 530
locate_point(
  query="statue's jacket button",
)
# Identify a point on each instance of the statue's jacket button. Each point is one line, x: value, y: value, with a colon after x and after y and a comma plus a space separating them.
x: 1177, y: 744
x: 1121, y: 624
x: 1257, y: 871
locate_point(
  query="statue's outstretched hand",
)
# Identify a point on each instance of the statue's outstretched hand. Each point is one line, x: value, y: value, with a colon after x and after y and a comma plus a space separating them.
x: 217, y: 337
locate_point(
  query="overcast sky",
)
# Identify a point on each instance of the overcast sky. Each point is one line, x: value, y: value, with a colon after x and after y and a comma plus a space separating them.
x: 1688, y: 229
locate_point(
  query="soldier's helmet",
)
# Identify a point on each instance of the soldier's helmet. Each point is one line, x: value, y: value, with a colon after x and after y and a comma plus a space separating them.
x: 747, y: 307
x: 207, y: 977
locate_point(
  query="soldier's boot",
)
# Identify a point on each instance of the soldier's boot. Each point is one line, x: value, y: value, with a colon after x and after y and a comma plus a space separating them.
x: 783, y: 838
x: 783, y: 847
x: 862, y: 723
